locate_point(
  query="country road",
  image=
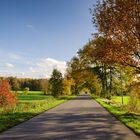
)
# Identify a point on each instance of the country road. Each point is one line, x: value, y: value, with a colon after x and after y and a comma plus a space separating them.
x: 79, y: 119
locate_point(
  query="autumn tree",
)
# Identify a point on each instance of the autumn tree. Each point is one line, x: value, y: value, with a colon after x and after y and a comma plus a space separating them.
x: 74, y: 71
x: 67, y: 85
x: 119, y: 20
x: 79, y: 69
x: 7, y: 98
x: 99, y: 57
x: 94, y: 62
x: 56, y: 83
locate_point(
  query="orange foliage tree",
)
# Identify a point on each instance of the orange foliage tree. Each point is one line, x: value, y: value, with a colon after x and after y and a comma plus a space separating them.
x: 120, y: 20
x: 6, y: 96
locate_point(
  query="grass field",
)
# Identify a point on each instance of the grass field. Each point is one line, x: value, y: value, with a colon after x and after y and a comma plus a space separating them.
x: 28, y: 106
x: 118, y: 99
x: 129, y: 119
x: 32, y: 96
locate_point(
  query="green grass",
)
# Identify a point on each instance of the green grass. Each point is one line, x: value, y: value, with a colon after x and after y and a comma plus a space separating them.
x: 118, y: 99
x: 129, y: 119
x: 28, y: 106
x: 32, y: 96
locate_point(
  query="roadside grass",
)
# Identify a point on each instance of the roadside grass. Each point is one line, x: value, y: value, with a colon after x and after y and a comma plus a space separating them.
x: 28, y: 106
x: 118, y: 99
x: 131, y: 120
x: 32, y: 96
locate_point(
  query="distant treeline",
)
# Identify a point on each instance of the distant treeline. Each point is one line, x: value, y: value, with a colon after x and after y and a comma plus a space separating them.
x: 21, y: 83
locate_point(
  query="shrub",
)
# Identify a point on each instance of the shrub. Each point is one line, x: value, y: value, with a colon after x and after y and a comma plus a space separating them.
x: 134, y: 105
x: 6, y: 96
x: 134, y: 102
x: 26, y: 90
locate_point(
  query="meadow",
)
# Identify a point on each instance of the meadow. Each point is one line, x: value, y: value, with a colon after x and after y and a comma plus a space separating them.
x: 115, y: 107
x: 118, y: 99
x: 29, y: 105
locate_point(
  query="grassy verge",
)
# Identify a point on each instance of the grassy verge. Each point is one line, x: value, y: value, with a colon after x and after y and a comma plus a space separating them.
x: 129, y: 119
x: 29, y: 106
x: 118, y: 99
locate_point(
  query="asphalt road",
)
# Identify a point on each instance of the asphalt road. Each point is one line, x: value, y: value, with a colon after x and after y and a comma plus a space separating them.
x: 79, y: 119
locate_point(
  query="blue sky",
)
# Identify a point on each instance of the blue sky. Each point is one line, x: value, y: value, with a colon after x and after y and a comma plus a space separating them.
x: 38, y: 35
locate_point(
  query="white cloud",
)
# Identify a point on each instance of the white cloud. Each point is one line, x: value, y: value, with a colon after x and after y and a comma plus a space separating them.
x: 29, y: 26
x: 9, y: 65
x: 46, y: 66
x: 40, y: 69
x: 52, y: 63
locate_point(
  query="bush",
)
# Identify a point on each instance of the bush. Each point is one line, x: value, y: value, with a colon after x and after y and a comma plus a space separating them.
x: 134, y: 102
x: 134, y: 105
x: 26, y: 90
x: 6, y: 96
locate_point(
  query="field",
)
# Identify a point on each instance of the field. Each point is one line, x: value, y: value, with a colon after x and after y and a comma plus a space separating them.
x: 32, y: 96
x: 118, y: 99
x: 28, y: 106
x: 131, y: 120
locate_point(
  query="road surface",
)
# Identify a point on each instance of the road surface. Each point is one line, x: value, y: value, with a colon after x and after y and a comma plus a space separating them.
x: 79, y: 119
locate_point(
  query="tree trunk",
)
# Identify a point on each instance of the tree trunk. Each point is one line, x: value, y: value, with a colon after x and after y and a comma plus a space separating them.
x: 110, y: 85
x: 121, y: 84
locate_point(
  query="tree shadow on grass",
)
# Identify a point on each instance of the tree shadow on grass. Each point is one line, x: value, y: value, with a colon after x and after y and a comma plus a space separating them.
x: 9, y: 120
x: 128, y: 118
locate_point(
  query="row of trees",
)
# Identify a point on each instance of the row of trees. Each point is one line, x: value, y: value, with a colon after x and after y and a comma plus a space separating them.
x: 59, y: 85
x: 109, y: 63
x: 56, y: 85
x: 117, y: 44
x: 22, y: 83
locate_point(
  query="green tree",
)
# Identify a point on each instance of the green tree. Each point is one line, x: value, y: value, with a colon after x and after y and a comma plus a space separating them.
x: 13, y: 81
x: 56, y: 83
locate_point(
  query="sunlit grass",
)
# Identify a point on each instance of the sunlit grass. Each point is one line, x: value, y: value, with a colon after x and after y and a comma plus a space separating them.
x: 28, y: 106
x: 129, y: 119
x: 118, y: 99
x: 32, y: 96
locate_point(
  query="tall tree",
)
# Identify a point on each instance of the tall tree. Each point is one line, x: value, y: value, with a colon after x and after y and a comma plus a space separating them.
x: 56, y: 83
x: 120, y: 20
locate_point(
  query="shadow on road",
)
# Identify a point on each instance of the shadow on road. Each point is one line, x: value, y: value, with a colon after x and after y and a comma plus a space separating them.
x: 71, y: 127
x: 78, y: 119
x: 82, y: 97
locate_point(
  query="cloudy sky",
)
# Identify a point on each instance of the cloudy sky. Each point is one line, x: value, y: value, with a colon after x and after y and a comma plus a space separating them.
x: 37, y: 36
